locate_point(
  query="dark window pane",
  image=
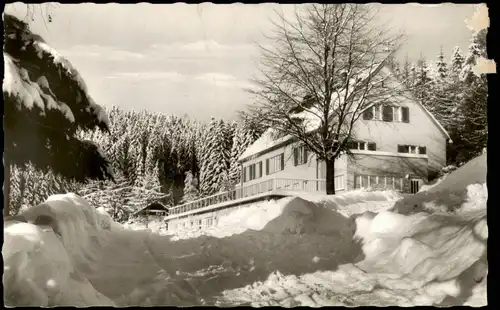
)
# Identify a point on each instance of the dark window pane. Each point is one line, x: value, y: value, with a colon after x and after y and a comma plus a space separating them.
x: 368, y: 114
x: 422, y: 150
x: 406, y: 114
x: 387, y: 114
x: 372, y: 146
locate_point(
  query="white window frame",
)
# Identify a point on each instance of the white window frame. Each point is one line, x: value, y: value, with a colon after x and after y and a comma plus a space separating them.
x: 412, y: 149
x: 275, y: 164
x: 397, y: 113
x: 377, y: 113
x: 358, y: 145
x: 339, y: 182
x: 301, y: 156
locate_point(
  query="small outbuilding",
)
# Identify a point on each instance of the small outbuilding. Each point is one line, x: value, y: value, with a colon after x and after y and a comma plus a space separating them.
x: 153, y: 209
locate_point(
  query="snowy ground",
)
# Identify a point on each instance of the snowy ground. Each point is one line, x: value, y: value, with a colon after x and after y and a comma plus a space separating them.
x: 308, y: 250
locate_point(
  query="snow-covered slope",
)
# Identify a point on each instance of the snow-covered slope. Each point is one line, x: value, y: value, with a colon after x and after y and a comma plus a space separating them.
x: 457, y: 192
x: 308, y: 250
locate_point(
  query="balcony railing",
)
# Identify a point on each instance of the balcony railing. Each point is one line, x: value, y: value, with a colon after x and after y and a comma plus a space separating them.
x: 252, y: 190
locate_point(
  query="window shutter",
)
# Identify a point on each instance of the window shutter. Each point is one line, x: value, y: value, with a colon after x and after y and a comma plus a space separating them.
x: 387, y: 114
x: 295, y: 156
x: 282, y: 157
x: 372, y: 146
x: 368, y: 114
x: 244, y: 170
x: 406, y: 114
x: 422, y: 150
x: 260, y: 169
x: 401, y: 148
x: 305, y: 156
x: 267, y: 166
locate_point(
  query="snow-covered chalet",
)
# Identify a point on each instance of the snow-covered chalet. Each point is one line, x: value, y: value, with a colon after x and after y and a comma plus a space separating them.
x: 399, y: 146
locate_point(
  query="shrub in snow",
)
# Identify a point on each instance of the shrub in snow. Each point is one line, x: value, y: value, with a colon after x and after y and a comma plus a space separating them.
x: 122, y: 199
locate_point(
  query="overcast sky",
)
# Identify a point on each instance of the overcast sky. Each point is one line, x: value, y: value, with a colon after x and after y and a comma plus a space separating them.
x: 194, y: 59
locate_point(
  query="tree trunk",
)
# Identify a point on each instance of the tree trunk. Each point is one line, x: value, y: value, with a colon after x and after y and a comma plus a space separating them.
x: 6, y: 185
x: 330, y: 176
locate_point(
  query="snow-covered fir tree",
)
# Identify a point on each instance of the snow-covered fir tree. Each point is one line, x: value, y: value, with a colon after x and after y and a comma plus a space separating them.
x: 474, y: 100
x: 457, y: 61
x: 441, y: 67
x: 236, y: 151
x: 477, y: 49
x: 214, y: 172
x: 405, y: 74
x: 191, y: 191
x: 43, y: 91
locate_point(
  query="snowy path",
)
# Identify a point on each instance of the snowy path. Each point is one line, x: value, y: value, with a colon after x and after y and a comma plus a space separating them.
x: 280, y: 261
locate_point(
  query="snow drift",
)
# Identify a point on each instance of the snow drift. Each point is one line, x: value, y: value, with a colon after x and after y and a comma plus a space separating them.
x: 46, y: 251
x: 310, y: 251
x: 466, y: 184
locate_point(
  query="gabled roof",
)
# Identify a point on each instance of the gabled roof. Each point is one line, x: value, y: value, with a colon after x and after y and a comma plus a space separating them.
x: 154, y: 206
x: 265, y: 142
x: 312, y: 121
x: 433, y: 118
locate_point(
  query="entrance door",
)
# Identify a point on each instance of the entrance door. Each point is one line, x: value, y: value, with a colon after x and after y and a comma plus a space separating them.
x: 414, y: 186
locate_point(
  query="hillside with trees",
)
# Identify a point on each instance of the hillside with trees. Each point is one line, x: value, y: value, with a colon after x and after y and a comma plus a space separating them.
x: 156, y: 156
x: 455, y: 95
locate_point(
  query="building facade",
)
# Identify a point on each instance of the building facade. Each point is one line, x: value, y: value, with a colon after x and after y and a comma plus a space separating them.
x: 398, y: 146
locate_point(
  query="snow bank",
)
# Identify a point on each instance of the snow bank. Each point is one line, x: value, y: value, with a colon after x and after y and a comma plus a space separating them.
x: 307, y: 250
x: 143, y: 268
x: 47, y: 250
x: 304, y: 214
x: 156, y: 226
x: 408, y: 261
x: 466, y: 184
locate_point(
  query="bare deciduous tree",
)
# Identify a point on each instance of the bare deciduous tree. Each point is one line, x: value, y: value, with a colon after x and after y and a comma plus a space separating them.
x: 323, y: 70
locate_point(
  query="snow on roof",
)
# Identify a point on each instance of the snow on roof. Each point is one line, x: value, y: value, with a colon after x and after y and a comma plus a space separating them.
x: 266, y: 141
x: 312, y: 116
